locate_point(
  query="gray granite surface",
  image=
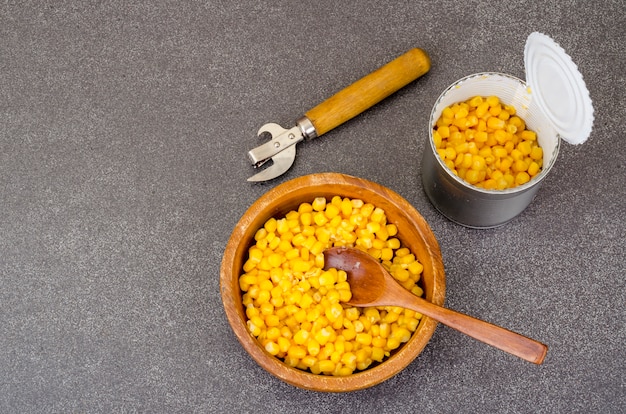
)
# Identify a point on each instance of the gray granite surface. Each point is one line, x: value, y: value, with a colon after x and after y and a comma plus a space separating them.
x: 123, y: 133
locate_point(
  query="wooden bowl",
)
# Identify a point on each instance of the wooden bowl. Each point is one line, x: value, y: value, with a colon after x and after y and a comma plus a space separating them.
x: 413, y: 231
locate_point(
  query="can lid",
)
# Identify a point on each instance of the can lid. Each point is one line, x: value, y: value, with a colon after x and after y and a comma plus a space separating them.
x: 558, y: 87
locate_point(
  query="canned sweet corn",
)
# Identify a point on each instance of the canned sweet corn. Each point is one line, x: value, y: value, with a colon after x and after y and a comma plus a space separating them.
x: 554, y: 104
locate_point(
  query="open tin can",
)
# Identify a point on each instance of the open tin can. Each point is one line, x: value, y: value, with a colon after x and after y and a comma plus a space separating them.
x: 554, y: 102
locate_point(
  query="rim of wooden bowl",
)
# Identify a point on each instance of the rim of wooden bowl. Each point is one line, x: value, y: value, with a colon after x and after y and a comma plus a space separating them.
x: 413, y: 231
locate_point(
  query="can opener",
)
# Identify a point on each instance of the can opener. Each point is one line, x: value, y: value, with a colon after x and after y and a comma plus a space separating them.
x: 334, y: 111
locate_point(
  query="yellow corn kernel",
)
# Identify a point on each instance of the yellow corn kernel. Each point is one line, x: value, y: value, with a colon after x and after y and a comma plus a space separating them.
x: 461, y: 113
x: 334, y: 312
x: 255, y: 254
x: 459, y: 160
x: 345, y: 295
x: 348, y: 359
x: 326, y: 366
x: 272, y: 347
x: 328, y: 278
x: 308, y: 361
x: 495, y: 123
x: 525, y: 147
x: 510, y: 109
x: 385, y: 330
x: 393, y: 243
x: 272, y: 320
x: 500, y: 136
x: 246, y: 280
x: 499, y: 152
x: 401, y: 275
x: 281, y: 226
x: 489, y: 184
x: 346, y: 207
x: 265, y: 286
x: 313, y: 347
x: 478, y: 163
x: 401, y: 252
x: 283, y: 344
x: 364, y: 338
x: 378, y: 354
x: 510, y: 179
x: 305, y: 255
x: 482, y: 109
x: 275, y: 259
x: 301, y: 266
x: 436, y: 139
x: 505, y: 164
x: 253, y: 328
x: 391, y: 317
x: 363, y: 354
x: 273, y: 333
x: 372, y: 314
x: 466, y: 161
x: 444, y: 131
x: 472, y: 176
x: 493, y: 100
x: 447, y: 113
x: 301, y: 337
x: 373, y: 227
x: 305, y: 208
x: 266, y: 309
x: 401, y: 334
x: 296, y: 352
x: 522, y: 178
x: 517, y: 154
x: 306, y: 218
x: 324, y: 335
x: 320, y: 218
x: 260, y: 234
x: 319, y: 204
x: 450, y: 153
x: 332, y: 211
x: 412, y: 323
x: 392, y: 343
x: 533, y: 169
x: 386, y: 253
x: 528, y: 135
x: 495, y: 110
x: 415, y: 268
x: 335, y: 200
x: 475, y: 101
x: 536, y: 153
x: 379, y: 342
x: 378, y: 244
x: 348, y: 333
x: 519, y: 166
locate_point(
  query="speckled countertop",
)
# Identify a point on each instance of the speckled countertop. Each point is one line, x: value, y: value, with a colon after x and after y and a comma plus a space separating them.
x: 123, y: 133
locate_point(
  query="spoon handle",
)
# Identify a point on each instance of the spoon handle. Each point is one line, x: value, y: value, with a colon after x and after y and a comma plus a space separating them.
x: 496, y: 336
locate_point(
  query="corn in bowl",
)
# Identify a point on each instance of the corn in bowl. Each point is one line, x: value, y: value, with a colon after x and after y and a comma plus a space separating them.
x: 297, y: 310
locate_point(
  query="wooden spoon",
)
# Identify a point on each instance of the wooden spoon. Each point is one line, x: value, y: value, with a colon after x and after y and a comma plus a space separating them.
x: 372, y: 285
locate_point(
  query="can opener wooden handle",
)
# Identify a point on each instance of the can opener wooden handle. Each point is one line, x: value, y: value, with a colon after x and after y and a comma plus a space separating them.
x: 339, y: 108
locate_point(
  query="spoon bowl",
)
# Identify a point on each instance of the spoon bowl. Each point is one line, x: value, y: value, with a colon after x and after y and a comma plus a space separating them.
x: 372, y: 285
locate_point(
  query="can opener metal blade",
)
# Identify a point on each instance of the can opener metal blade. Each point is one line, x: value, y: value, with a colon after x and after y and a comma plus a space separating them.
x: 334, y: 111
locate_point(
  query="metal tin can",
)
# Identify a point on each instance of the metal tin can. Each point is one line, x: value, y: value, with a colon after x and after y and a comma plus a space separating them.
x: 554, y: 102
x: 462, y: 202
